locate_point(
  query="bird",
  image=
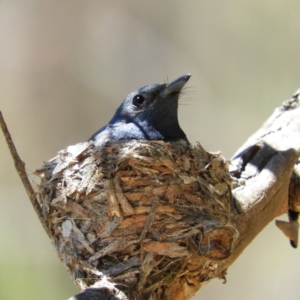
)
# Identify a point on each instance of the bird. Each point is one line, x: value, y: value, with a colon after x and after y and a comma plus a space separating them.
x: 149, y: 113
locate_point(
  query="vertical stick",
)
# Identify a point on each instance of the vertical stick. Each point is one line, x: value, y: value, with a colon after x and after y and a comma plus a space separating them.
x: 20, y: 167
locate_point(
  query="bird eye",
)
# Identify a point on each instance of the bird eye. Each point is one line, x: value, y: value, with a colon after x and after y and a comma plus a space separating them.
x: 138, y: 100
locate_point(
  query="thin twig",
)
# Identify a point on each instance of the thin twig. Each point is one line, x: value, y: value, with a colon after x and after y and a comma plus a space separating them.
x: 20, y: 167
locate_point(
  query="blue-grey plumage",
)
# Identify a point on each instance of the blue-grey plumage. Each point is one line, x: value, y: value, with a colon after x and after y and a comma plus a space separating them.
x: 149, y: 113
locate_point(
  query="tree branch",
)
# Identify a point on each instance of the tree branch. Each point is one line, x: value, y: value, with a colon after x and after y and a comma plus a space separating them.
x: 20, y: 167
x: 263, y: 167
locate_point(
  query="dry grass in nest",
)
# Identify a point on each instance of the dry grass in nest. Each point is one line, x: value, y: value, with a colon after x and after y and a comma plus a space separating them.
x: 151, y: 217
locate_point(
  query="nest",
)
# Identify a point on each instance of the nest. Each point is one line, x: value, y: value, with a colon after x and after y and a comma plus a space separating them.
x: 151, y: 218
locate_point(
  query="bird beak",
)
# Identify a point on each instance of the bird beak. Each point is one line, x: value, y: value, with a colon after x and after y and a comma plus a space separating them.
x: 175, y: 86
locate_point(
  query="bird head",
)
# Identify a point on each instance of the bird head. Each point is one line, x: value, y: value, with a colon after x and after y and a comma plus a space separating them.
x: 153, y: 109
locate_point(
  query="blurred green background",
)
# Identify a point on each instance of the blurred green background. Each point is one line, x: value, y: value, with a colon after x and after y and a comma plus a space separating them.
x: 65, y: 66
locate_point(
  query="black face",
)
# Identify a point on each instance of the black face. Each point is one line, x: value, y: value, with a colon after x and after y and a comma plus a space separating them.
x: 149, y: 113
x: 136, y: 103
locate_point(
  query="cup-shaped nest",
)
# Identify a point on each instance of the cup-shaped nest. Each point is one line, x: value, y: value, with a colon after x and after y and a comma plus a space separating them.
x: 152, y: 218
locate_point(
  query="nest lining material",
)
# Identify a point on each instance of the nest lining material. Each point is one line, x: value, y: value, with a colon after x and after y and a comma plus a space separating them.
x: 152, y: 217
